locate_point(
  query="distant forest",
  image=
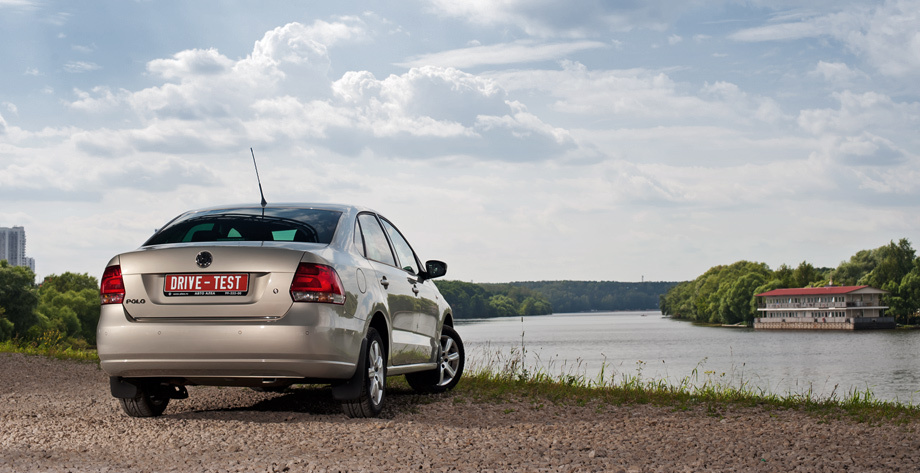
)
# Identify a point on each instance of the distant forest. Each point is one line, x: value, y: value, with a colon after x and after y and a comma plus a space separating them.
x: 482, y: 300
x: 725, y: 294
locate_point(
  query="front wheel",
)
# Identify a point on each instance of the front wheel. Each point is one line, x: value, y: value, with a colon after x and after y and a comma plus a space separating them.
x: 451, y: 360
x: 370, y: 403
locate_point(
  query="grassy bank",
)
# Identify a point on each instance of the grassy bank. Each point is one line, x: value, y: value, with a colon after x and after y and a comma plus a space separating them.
x: 48, y: 345
x: 706, y: 391
x: 511, y: 383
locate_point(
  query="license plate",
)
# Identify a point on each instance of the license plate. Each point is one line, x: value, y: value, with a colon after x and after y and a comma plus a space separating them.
x: 206, y: 285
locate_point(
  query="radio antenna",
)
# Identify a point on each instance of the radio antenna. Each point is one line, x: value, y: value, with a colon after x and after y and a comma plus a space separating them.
x: 258, y: 179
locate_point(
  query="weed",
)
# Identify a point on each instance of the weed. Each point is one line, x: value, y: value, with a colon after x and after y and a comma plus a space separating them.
x: 50, y: 343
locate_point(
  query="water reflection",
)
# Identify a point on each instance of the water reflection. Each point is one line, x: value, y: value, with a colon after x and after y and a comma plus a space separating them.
x: 782, y: 362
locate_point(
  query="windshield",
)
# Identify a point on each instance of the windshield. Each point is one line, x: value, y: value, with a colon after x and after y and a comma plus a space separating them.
x: 278, y: 224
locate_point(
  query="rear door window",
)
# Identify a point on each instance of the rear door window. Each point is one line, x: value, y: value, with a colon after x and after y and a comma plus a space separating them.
x: 375, y: 241
x: 403, y: 250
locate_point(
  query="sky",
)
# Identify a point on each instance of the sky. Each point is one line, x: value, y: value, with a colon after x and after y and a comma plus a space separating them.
x: 517, y: 140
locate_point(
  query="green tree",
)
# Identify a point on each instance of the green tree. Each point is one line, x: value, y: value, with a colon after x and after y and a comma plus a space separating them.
x: 74, y: 312
x: 849, y: 273
x: 804, y: 275
x: 907, y: 306
x: 785, y: 275
x: 70, y: 282
x: 18, y: 297
x: 736, y: 306
x: 714, y: 289
x: 501, y: 305
x: 893, y: 262
x: 6, y: 327
x: 536, y: 305
x: 677, y: 302
x: 468, y: 300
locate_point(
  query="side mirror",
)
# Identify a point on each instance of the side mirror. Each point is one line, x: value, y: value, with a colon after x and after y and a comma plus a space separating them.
x: 435, y: 269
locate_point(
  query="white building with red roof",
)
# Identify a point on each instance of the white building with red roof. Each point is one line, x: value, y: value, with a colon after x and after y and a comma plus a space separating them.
x: 822, y: 308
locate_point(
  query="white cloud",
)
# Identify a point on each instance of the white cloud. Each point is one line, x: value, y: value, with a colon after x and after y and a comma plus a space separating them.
x: 674, y: 39
x: 869, y: 150
x: 785, y: 31
x: 426, y: 101
x: 192, y: 62
x: 79, y: 67
x: 297, y: 43
x: 83, y: 49
x: 204, y: 84
x: 868, y: 144
x: 282, y: 90
x: 469, y: 112
x: 17, y: 3
x: 860, y: 112
x: 638, y: 96
x: 891, y: 40
x: 838, y: 73
x: 100, y: 100
x: 547, y: 18
x: 518, y: 52
x: 886, y: 35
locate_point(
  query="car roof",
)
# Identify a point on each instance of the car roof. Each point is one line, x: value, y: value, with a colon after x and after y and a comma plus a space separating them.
x: 344, y: 208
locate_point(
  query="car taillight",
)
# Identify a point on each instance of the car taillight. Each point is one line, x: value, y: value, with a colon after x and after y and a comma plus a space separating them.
x: 317, y: 283
x: 112, y: 289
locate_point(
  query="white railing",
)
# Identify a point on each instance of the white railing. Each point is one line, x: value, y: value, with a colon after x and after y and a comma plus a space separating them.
x: 806, y: 305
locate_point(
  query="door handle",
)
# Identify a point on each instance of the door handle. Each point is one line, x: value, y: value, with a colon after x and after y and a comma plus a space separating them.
x: 384, y: 282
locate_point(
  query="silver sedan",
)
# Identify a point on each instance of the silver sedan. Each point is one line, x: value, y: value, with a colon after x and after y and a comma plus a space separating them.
x: 271, y: 296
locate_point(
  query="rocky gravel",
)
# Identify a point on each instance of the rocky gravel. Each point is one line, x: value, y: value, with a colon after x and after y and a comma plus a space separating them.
x: 59, y: 416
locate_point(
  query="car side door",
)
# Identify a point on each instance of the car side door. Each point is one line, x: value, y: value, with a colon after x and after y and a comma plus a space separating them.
x: 426, y: 295
x: 407, y: 346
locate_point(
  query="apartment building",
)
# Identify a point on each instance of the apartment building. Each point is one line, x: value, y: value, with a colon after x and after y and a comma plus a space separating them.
x: 13, y: 247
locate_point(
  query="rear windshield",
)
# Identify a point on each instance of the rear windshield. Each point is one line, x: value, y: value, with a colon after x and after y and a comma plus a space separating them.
x: 278, y: 224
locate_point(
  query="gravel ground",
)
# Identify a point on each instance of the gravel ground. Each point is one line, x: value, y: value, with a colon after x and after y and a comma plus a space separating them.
x: 58, y: 416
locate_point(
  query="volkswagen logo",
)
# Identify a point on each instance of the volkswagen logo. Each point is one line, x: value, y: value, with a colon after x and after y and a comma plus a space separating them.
x: 204, y: 259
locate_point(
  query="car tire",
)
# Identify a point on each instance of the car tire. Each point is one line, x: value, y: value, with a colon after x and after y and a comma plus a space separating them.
x: 373, y: 392
x: 145, y: 404
x: 451, y: 361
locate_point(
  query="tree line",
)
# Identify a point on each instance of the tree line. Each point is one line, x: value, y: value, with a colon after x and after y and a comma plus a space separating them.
x: 586, y: 296
x: 473, y: 301
x: 481, y: 300
x: 725, y: 294
x: 66, y: 304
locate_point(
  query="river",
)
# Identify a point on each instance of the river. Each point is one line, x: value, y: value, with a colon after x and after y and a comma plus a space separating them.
x: 819, y: 363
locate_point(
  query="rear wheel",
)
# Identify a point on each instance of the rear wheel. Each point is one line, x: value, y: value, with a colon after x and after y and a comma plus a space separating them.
x: 370, y: 403
x: 451, y: 360
x: 146, y: 403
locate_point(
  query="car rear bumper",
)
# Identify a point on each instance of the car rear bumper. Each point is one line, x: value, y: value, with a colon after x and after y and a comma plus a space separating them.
x: 310, y: 341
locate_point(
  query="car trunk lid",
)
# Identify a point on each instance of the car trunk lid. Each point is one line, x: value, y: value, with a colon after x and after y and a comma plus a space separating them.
x: 208, y: 282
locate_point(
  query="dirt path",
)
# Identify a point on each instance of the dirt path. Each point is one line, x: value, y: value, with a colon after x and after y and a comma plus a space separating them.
x: 59, y: 416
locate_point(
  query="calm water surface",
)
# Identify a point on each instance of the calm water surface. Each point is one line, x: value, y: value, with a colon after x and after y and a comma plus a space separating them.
x: 887, y: 362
